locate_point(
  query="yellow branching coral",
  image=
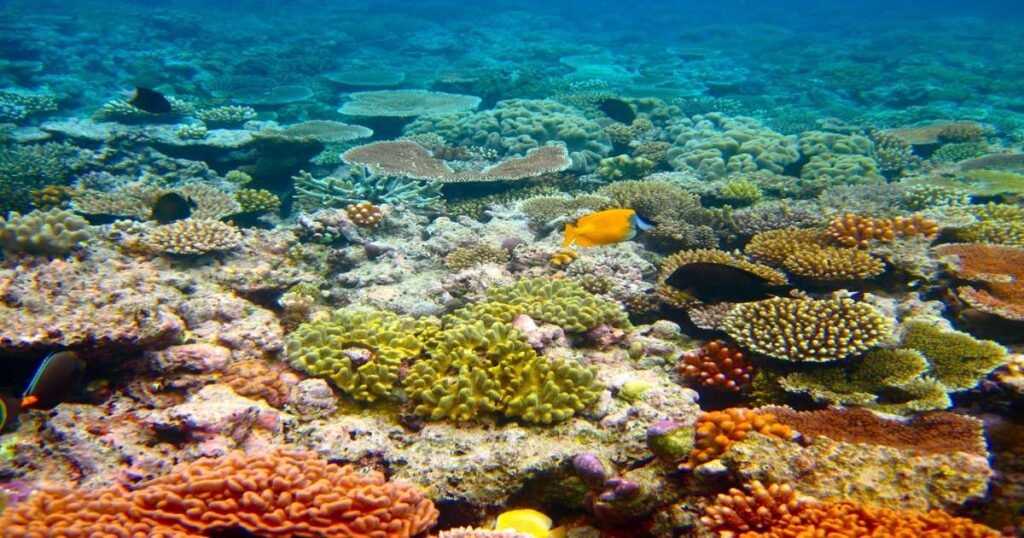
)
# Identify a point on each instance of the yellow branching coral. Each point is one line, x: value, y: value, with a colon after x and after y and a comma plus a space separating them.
x: 802, y: 330
x: 807, y: 254
x: 678, y: 298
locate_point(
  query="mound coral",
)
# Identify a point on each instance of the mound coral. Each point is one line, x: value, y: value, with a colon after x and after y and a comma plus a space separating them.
x: 281, y: 494
x: 802, y: 330
x: 624, y: 167
x: 717, y: 430
x: 360, y: 351
x: 464, y: 258
x: 994, y: 271
x: 192, y: 237
x: 717, y: 365
x: 714, y: 145
x: 365, y: 214
x: 775, y: 511
x: 53, y: 233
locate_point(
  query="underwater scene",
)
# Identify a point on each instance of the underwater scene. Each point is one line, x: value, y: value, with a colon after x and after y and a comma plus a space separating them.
x: 441, y: 269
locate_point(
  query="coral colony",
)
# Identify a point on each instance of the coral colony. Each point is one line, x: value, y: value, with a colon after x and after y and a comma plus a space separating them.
x: 344, y: 270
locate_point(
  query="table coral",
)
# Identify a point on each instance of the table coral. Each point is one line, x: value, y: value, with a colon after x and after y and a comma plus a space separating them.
x: 776, y: 511
x: 802, y: 330
x: 405, y: 103
x: 280, y: 494
x: 678, y: 298
x: 994, y: 271
x: 958, y: 360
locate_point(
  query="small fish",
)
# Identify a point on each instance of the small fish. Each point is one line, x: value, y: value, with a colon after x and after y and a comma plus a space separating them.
x: 709, y: 282
x: 618, y: 110
x: 10, y: 408
x: 150, y: 101
x: 604, y: 228
x: 527, y: 521
x: 59, y: 376
x: 171, y: 207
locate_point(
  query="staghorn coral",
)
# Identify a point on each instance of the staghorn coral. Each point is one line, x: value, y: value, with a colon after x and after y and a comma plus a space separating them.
x: 807, y: 254
x: 192, y: 131
x: 361, y: 351
x: 18, y: 105
x: 53, y: 196
x: 121, y: 111
x: 718, y: 365
x: 775, y: 512
x: 995, y: 273
x: 280, y: 494
x: 405, y: 103
x: 856, y: 231
x: 192, y: 237
x: 961, y: 151
x: 464, y: 258
x: 678, y: 298
x: 52, y: 233
x: 774, y: 246
x: 676, y: 213
x: 718, y: 430
x: 802, y: 330
x: 311, y: 193
x: 892, y: 152
x: 998, y: 224
x: 25, y: 168
x: 477, y: 370
x: 924, y: 196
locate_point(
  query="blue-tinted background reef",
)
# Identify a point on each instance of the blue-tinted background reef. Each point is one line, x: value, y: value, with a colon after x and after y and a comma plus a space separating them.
x: 497, y: 269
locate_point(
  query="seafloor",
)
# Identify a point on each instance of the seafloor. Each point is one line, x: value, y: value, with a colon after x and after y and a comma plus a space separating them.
x: 327, y: 294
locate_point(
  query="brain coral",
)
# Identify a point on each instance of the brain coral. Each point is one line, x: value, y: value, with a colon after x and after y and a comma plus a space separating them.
x: 714, y: 145
x: 515, y: 126
x: 360, y: 351
x: 803, y: 330
x: 281, y: 494
x: 54, y: 232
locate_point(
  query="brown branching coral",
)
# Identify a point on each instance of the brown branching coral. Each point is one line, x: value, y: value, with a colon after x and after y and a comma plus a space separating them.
x: 192, y: 237
x: 281, y: 494
x: 716, y: 430
x: 466, y: 257
x: 856, y: 231
x: 776, y: 512
x: 717, y: 364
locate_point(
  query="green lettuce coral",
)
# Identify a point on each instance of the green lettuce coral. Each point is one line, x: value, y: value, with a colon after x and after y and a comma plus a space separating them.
x: 714, y: 145
x: 561, y: 302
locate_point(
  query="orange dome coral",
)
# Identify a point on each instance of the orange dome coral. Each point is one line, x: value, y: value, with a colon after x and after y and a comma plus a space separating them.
x: 282, y: 494
x: 716, y: 430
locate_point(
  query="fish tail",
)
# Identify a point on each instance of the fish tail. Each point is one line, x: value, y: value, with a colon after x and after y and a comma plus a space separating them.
x: 570, y: 235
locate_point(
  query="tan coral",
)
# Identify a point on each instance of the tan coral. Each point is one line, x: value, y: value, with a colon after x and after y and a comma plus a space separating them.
x: 192, y: 237
x: 857, y: 231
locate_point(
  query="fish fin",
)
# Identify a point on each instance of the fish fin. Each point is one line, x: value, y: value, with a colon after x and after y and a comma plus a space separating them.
x: 571, y: 235
x: 640, y: 223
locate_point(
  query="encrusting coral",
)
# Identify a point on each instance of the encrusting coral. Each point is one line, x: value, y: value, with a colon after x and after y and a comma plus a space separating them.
x: 803, y: 330
x: 280, y: 494
x: 996, y: 273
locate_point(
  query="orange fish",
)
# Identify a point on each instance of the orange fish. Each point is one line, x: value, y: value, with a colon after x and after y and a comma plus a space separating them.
x: 604, y: 228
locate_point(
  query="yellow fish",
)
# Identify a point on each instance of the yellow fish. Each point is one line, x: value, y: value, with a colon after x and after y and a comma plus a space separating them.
x: 527, y: 521
x: 604, y: 228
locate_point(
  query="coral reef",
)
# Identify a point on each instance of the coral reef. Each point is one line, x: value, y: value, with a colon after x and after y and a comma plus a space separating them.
x: 53, y: 233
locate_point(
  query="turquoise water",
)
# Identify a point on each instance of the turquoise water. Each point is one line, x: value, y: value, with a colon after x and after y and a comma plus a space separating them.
x: 513, y: 256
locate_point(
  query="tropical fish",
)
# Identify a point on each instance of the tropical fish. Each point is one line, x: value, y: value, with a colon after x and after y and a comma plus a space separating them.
x: 171, y: 207
x: 150, y: 101
x: 618, y: 110
x: 710, y: 282
x: 528, y: 521
x: 59, y: 375
x: 604, y: 228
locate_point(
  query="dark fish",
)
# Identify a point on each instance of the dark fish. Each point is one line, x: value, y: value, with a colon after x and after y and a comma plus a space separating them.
x: 719, y: 283
x: 618, y: 110
x: 58, y: 377
x: 171, y: 207
x: 10, y: 408
x: 150, y: 101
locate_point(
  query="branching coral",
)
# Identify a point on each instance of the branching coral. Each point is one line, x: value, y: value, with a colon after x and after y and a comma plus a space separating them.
x: 280, y: 494
x: 776, y: 512
x: 25, y: 168
x: 464, y: 258
x: 716, y: 430
x: 806, y: 254
x: 856, y: 231
x: 192, y: 237
x: 542, y: 210
x: 718, y: 365
x: 226, y: 116
x: 360, y: 185
x: 802, y: 330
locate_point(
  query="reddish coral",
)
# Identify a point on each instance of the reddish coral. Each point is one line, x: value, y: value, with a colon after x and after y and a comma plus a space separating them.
x: 997, y: 272
x: 257, y: 379
x: 717, y: 430
x: 774, y: 512
x: 856, y: 231
x: 717, y: 364
x: 277, y: 495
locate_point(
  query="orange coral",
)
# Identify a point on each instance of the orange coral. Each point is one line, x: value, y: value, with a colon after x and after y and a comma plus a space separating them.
x: 717, y: 430
x: 997, y: 271
x: 277, y: 495
x: 365, y: 214
x: 563, y: 257
x: 257, y: 379
x: 774, y: 512
x: 716, y: 364
x: 856, y: 231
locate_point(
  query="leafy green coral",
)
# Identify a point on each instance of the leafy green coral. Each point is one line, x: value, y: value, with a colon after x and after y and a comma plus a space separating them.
x: 361, y: 351
x: 958, y: 360
x: 562, y: 302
